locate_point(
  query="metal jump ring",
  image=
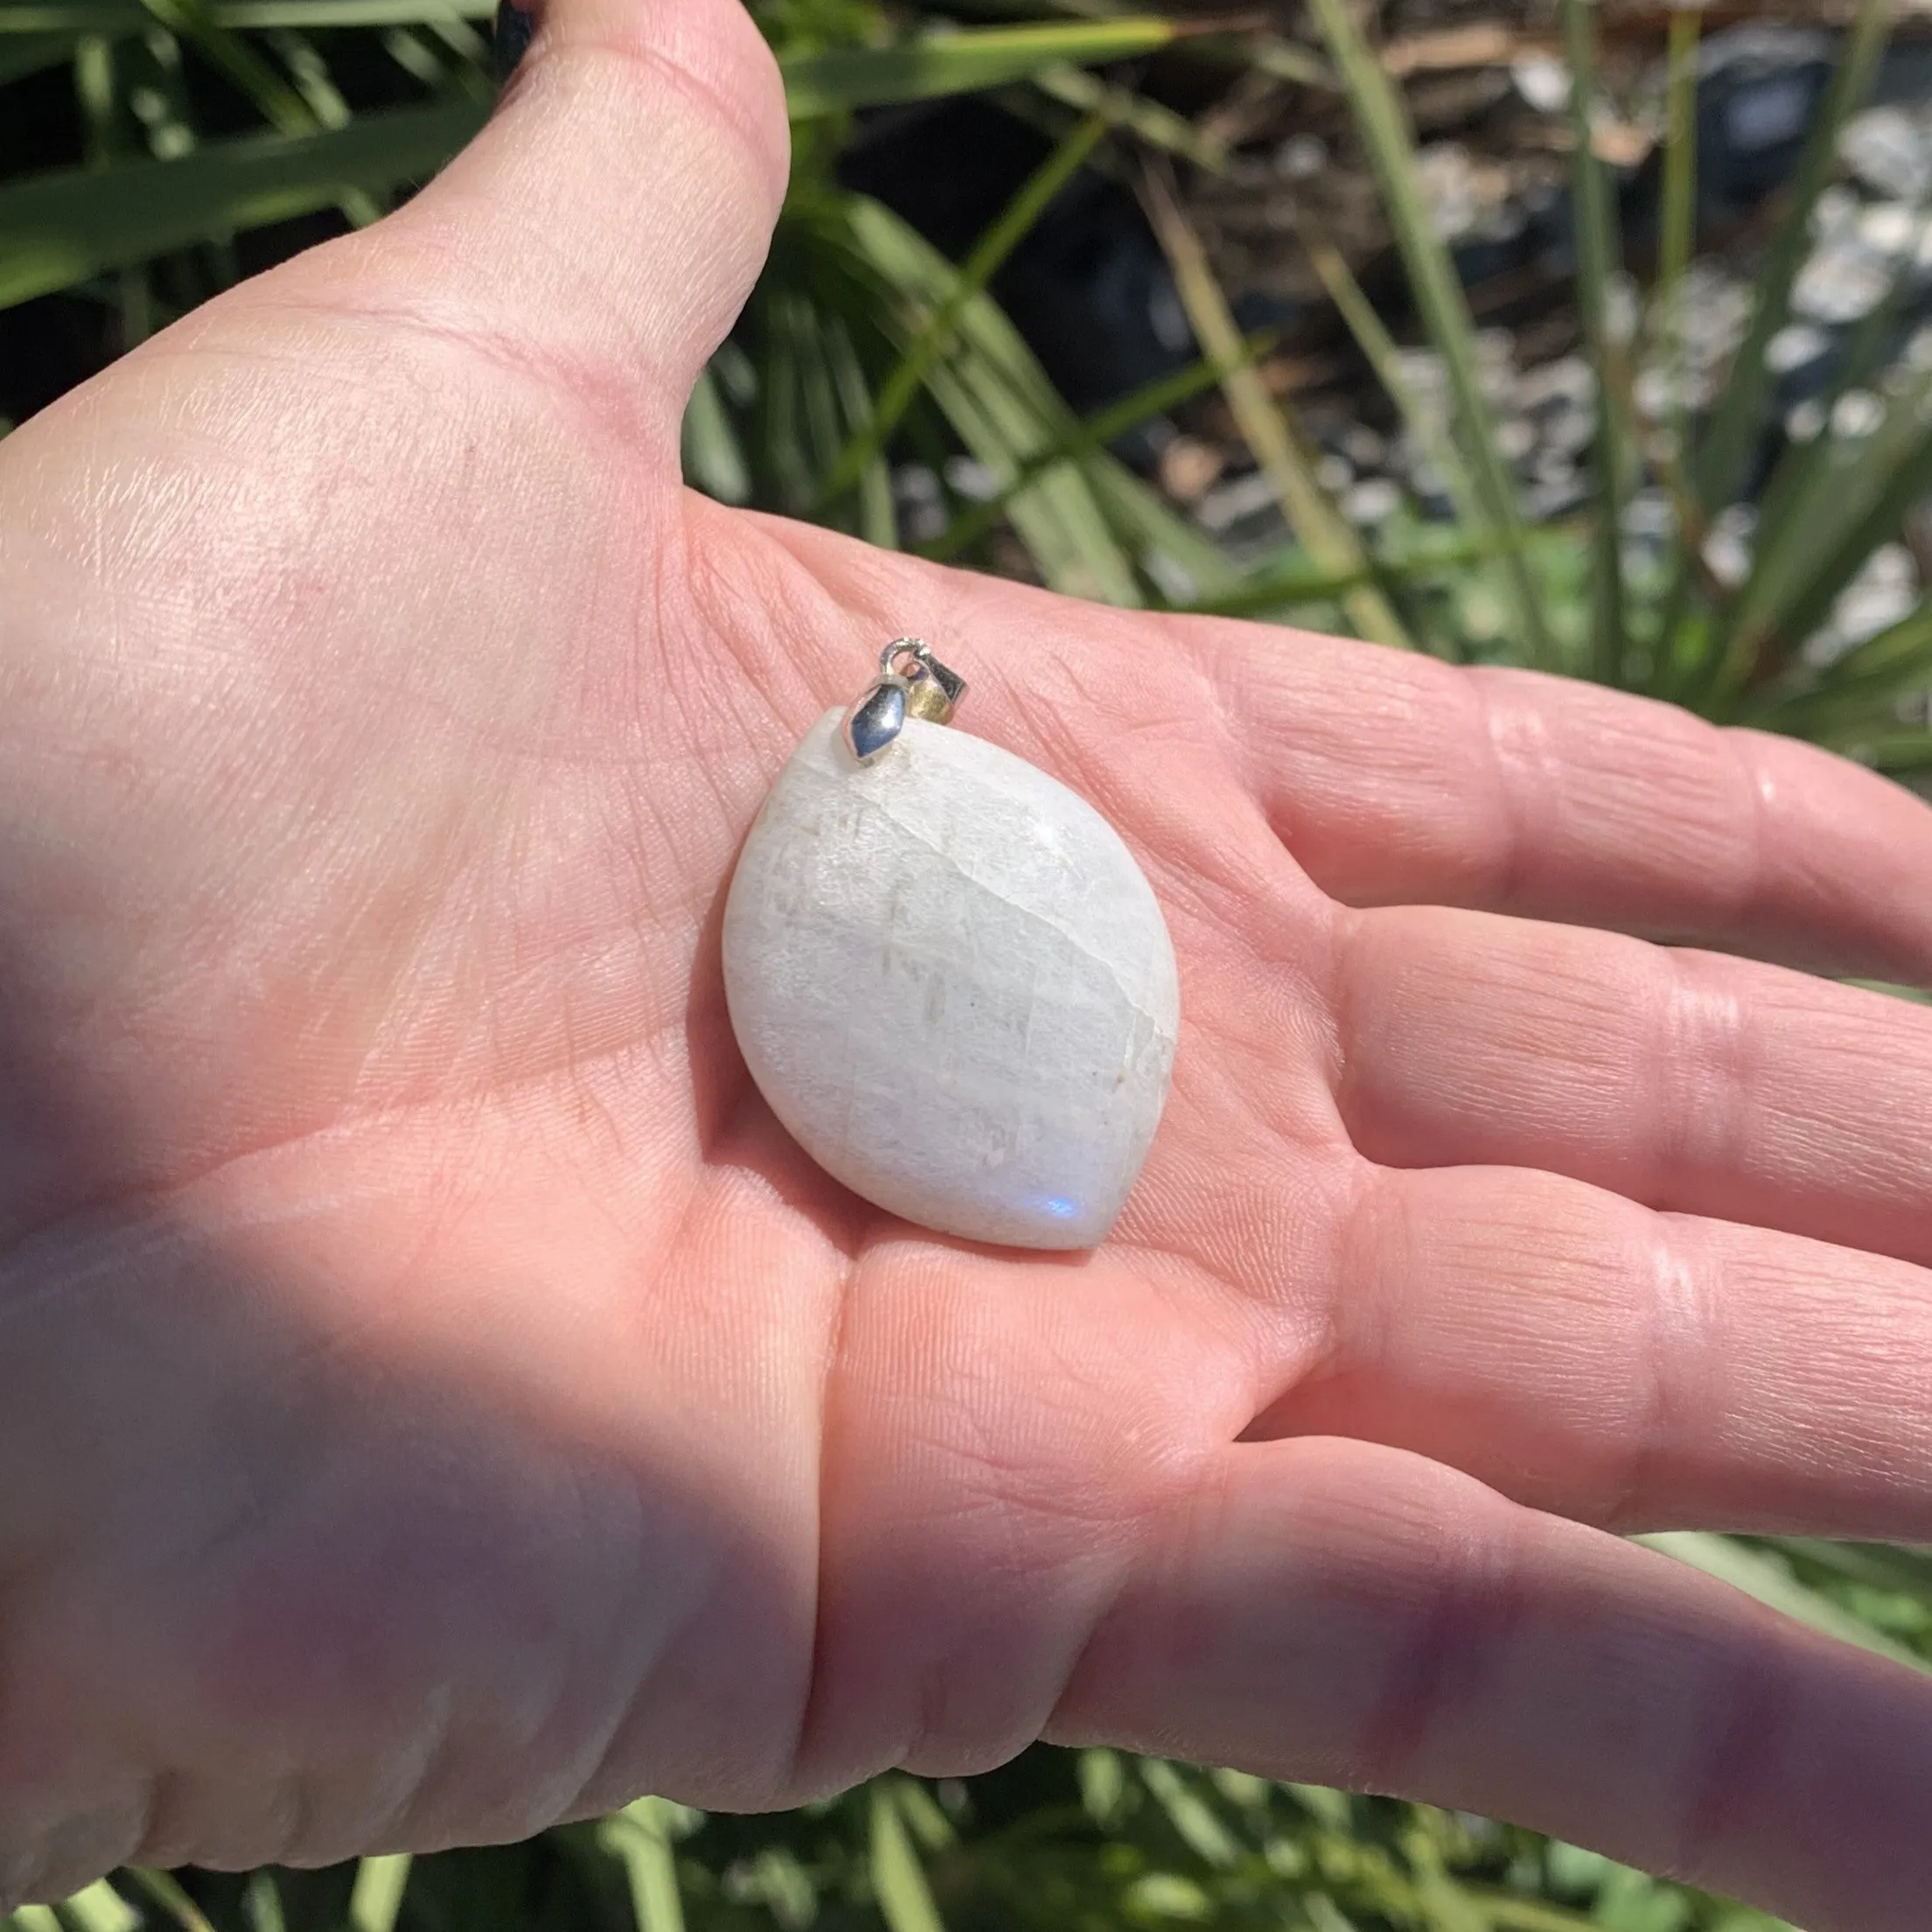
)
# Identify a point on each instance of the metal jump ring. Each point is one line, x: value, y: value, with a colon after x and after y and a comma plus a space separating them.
x: 929, y: 690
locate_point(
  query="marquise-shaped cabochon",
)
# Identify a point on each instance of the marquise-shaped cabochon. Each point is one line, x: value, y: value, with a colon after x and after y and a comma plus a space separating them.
x: 954, y: 985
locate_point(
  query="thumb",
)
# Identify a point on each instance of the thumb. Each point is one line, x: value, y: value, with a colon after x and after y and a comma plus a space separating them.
x: 608, y: 223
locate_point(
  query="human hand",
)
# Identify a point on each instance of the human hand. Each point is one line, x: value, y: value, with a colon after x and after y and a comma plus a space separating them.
x: 437, y: 1399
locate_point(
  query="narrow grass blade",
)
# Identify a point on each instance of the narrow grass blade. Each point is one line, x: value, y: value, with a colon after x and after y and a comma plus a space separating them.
x: 1682, y: 653
x: 1721, y: 463
x: 1378, y: 346
x: 929, y: 1825
x: 1383, y: 124
x: 999, y: 401
x: 68, y: 17
x: 377, y: 1896
x: 293, y: 110
x: 962, y: 62
x: 1788, y: 498
x: 279, y: 104
x: 1677, y: 237
x: 1509, y: 1914
x: 1878, y: 1566
x: 1266, y: 426
x: 165, y: 1890
x: 1861, y: 503
x: 1147, y: 121
x: 640, y: 1837
x: 1103, y: 1780
x: 878, y: 520
x: 262, y: 1908
x: 463, y: 40
x: 1669, y: 677
x: 1596, y: 250
x: 1168, y: 546
x: 310, y: 73
x: 1088, y: 524
x: 1265, y: 590
x: 148, y: 67
x: 1808, y: 493
x: 466, y: 74
x: 62, y: 227
x: 1446, y: 1906
x: 105, y: 131
x: 1194, y: 1819
x: 824, y: 425
x: 1088, y: 438
x: 1058, y: 518
x: 1270, y: 54
x: 713, y: 460
x: 652, y: 1874
x: 781, y: 476
x: 1917, y: 996
x: 906, y: 1899
x: 1006, y: 232
x: 1904, y: 754
x: 1771, y: 1582
x: 100, y: 1909
x: 1861, y: 693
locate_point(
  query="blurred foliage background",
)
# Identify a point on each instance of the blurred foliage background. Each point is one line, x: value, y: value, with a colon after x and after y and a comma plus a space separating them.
x: 935, y: 372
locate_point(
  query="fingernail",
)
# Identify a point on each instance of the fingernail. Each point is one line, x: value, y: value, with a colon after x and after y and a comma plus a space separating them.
x: 515, y: 27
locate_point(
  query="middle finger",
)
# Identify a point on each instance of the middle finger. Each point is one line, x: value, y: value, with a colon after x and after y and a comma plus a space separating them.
x: 1635, y: 1370
x: 1692, y: 1082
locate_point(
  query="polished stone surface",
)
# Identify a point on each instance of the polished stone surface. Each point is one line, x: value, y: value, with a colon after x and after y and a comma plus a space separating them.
x: 954, y: 985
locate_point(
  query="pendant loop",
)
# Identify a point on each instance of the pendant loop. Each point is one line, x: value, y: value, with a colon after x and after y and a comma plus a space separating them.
x: 911, y: 683
x: 945, y: 687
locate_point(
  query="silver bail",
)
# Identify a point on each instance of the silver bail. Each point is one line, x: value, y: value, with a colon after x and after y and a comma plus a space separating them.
x: 877, y: 717
x: 911, y: 683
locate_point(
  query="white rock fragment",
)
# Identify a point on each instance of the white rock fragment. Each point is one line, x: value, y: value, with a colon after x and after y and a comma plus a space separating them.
x: 1841, y: 284
x: 972, y: 479
x: 1729, y: 548
x: 1235, y: 500
x: 1890, y: 228
x: 1542, y: 81
x: 1795, y: 346
x: 954, y: 985
x: 1857, y: 412
x: 1884, y: 593
x: 1887, y: 152
x: 1300, y: 157
x: 1372, y: 503
x: 1805, y: 424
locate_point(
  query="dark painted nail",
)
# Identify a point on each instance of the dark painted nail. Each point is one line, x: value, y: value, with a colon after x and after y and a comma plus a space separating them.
x: 515, y: 27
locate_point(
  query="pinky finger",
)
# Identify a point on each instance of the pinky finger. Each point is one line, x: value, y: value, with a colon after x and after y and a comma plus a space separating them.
x: 1349, y: 1614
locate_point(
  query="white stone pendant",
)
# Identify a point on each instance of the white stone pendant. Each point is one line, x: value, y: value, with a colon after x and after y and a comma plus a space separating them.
x: 947, y: 975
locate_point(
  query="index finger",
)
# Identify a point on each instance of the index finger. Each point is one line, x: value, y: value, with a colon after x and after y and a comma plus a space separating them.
x: 1397, y: 780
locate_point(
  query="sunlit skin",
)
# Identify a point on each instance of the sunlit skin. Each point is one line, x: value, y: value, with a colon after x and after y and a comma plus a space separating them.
x: 436, y: 1399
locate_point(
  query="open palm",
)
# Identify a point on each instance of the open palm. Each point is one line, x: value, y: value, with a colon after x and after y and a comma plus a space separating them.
x: 438, y: 1398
